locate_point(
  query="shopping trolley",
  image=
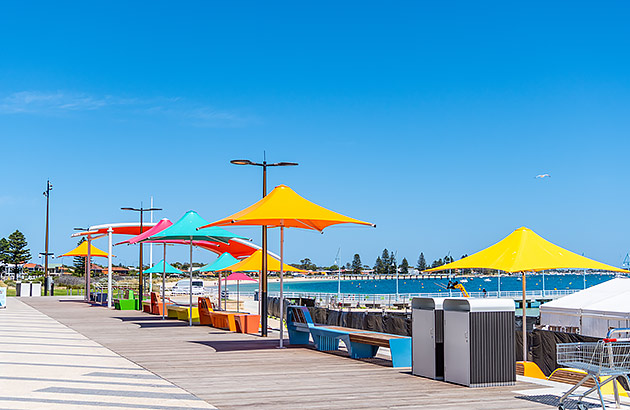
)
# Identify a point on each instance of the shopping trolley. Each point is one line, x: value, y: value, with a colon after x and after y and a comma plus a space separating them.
x: 608, y: 359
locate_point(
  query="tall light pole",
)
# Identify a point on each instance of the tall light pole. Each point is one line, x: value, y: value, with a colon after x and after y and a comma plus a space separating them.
x: 140, y: 278
x: 46, y: 253
x: 263, y: 274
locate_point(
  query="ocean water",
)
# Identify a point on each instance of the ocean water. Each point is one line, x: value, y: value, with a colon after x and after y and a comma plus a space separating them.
x: 472, y: 284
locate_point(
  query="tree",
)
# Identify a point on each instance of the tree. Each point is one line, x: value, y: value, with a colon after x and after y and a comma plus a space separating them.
x: 422, y: 263
x: 306, y: 264
x: 17, y: 251
x: 378, y: 266
x: 4, y: 248
x: 356, y: 264
x: 78, y: 265
x: 392, y: 266
x: 404, y: 267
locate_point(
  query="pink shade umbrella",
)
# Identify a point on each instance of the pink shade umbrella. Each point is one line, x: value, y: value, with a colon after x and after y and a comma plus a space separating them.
x: 238, y: 277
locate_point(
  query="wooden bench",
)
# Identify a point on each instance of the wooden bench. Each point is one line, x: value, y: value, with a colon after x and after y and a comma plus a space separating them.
x: 366, y: 344
x: 246, y: 323
x: 157, y: 305
x: 181, y: 313
x: 360, y: 343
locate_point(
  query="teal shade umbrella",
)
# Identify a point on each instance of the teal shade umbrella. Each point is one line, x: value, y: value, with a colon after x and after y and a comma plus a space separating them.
x: 185, y: 229
x: 224, y: 261
x: 160, y: 268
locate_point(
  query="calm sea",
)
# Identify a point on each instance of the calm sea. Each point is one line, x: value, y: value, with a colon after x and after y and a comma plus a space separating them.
x: 472, y: 284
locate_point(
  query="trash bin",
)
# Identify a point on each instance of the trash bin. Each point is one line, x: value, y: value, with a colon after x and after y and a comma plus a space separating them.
x: 479, y: 342
x: 36, y: 289
x: 22, y: 289
x: 427, y: 351
x: 256, y: 295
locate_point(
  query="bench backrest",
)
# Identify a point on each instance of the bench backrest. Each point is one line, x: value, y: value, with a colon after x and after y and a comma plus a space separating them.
x: 205, y: 305
x: 299, y: 314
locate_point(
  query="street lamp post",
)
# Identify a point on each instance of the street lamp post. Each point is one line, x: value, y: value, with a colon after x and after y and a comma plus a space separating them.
x: 46, y: 253
x: 263, y: 275
x: 140, y: 278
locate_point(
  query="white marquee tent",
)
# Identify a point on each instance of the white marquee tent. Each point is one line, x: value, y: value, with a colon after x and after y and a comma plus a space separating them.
x: 593, y: 311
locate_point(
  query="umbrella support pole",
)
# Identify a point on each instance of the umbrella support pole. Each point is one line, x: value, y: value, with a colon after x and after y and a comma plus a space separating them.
x: 190, y: 311
x: 281, y: 287
x: 164, y: 285
x: 524, y: 320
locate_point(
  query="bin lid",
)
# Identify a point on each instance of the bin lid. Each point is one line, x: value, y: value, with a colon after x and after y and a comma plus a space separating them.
x: 479, y: 305
x: 427, y: 303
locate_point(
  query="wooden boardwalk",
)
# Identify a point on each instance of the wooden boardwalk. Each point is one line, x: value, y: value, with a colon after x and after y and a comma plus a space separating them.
x: 235, y: 371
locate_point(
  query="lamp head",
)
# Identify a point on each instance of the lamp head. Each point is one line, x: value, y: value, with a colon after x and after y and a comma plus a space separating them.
x: 241, y: 162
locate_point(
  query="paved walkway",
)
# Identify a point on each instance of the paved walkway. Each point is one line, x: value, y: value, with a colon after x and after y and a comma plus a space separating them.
x: 46, y: 365
x: 236, y: 371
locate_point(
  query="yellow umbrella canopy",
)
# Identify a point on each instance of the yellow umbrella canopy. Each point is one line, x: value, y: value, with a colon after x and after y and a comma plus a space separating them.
x: 285, y: 208
x: 254, y: 263
x: 82, y: 250
x: 525, y: 251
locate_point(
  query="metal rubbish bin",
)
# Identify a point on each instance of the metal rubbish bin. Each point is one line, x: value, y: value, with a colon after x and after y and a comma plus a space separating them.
x: 36, y: 289
x: 22, y: 289
x: 479, y: 342
x: 427, y: 330
x: 3, y: 297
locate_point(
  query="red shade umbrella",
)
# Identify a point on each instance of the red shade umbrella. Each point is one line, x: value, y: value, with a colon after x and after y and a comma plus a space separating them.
x: 238, y: 277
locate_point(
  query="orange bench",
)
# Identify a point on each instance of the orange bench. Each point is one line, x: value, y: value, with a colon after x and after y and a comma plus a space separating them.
x: 156, y: 304
x: 205, y: 307
x: 246, y: 323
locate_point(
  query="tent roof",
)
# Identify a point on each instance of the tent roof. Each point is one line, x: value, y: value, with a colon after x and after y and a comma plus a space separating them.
x: 223, y: 261
x: 82, y: 250
x: 159, y: 268
x: 186, y: 229
x: 122, y: 228
x: 612, y: 295
x: 284, y: 207
x: 254, y: 263
x: 524, y: 251
x: 239, y: 276
x: 159, y: 227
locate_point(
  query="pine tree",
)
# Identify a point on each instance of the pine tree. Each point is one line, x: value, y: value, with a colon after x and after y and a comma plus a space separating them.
x: 356, y: 264
x: 79, y: 262
x: 17, y: 251
x: 404, y: 267
x: 4, y: 248
x: 392, y: 267
x: 422, y: 262
x: 378, y: 266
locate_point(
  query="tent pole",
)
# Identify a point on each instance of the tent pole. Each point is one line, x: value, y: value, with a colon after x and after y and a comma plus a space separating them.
x: 110, y: 230
x: 164, y: 284
x: 219, y: 290
x: 281, y: 286
x: 88, y: 267
x: 190, y: 313
x: 524, y: 320
x: 238, y: 294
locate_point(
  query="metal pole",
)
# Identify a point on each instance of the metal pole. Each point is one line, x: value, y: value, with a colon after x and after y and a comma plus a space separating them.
x: 238, y: 295
x: 140, y: 276
x: 524, y: 321
x: 219, y: 290
x: 543, y: 284
x: 499, y: 283
x: 47, y: 193
x: 190, y: 313
x: 281, y: 285
x: 151, y: 253
x: 164, y: 284
x: 110, y: 231
x: 263, y: 275
x: 88, y: 268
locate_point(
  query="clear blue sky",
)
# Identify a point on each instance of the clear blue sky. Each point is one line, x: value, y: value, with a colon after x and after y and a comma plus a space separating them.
x: 429, y: 119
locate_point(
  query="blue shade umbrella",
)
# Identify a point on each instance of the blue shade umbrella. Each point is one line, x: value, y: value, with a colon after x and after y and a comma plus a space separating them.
x: 186, y: 229
x: 221, y: 263
x: 160, y: 268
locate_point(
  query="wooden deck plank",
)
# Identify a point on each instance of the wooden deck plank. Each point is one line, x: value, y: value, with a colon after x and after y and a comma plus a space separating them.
x: 238, y: 371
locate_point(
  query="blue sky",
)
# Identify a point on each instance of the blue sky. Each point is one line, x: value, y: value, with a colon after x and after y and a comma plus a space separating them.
x: 429, y: 119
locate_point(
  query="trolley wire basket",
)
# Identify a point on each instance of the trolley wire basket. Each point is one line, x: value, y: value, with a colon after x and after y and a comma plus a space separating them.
x: 608, y: 358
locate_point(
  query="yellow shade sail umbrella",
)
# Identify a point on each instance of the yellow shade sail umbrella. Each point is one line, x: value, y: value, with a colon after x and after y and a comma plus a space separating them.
x: 254, y: 263
x: 284, y: 208
x: 525, y: 251
x: 82, y: 250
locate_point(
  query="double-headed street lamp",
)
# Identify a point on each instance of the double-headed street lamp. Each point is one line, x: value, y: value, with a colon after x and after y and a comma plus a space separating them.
x: 263, y: 274
x: 46, y: 253
x: 140, y: 278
